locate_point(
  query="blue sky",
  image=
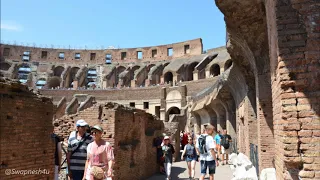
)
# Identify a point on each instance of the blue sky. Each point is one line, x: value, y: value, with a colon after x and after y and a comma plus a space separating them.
x: 118, y: 23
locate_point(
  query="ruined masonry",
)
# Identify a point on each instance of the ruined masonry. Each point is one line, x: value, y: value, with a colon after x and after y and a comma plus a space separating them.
x: 263, y: 86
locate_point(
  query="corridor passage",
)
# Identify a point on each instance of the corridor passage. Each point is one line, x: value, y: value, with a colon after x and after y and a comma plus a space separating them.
x: 180, y: 172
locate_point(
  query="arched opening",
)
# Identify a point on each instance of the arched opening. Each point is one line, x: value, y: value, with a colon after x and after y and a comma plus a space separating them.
x: 168, y: 77
x: 228, y: 64
x: 4, y: 66
x: 150, y: 66
x: 23, y: 72
x: 41, y: 82
x: 92, y: 77
x: 58, y: 71
x: 190, y: 70
x: 119, y: 70
x: 133, y: 71
x: 72, y: 75
x: 215, y: 70
x: 53, y: 82
x: 172, y: 111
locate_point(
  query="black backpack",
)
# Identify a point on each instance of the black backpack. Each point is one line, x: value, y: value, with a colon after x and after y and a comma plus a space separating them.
x: 224, y: 142
x: 202, y: 144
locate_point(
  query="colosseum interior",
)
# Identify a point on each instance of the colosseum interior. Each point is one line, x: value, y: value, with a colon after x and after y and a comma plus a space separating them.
x: 263, y: 87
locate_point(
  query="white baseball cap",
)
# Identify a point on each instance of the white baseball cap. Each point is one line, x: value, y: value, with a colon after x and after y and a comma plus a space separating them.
x: 166, y: 137
x: 81, y: 122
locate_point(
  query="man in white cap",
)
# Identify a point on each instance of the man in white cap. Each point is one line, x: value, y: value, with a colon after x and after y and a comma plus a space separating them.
x: 77, y: 150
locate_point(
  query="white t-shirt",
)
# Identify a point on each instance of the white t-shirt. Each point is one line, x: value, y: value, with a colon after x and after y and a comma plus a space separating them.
x: 210, y: 144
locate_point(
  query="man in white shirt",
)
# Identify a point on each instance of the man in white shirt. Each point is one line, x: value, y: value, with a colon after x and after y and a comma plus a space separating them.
x: 208, y: 158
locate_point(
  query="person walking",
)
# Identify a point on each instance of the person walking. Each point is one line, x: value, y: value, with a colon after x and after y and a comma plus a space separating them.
x: 217, y: 138
x: 100, y: 157
x: 57, y: 155
x: 77, y: 150
x: 157, y: 144
x: 191, y: 157
x: 225, y: 146
x: 168, y: 152
x: 206, y: 147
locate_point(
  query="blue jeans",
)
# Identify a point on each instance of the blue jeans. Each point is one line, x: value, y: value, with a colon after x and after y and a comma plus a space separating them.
x: 77, y: 175
x: 211, y: 165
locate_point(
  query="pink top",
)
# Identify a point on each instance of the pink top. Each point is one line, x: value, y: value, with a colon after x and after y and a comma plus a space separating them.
x: 98, y: 156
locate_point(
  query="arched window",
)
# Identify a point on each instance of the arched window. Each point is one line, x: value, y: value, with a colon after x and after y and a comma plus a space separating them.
x: 41, y: 82
x: 190, y: 71
x: 168, y: 77
x: 91, y: 77
x: 58, y: 71
x: 215, y: 70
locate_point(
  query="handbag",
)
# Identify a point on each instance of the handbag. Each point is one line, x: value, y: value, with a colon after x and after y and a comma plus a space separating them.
x: 97, y: 172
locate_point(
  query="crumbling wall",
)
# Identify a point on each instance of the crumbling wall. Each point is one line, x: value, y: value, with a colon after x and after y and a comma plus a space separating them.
x: 61, y: 108
x: 130, y: 132
x: 25, y: 133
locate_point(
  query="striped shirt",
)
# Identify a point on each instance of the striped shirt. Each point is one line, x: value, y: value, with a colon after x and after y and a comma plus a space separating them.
x: 79, y: 157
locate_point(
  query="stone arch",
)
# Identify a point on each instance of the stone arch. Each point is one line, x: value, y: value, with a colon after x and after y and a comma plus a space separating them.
x: 4, y: 66
x: 150, y: 66
x: 227, y: 64
x: 221, y: 114
x: 72, y: 76
x: 168, y: 77
x: 190, y: 69
x: 91, y: 77
x: 119, y: 70
x: 57, y: 71
x: 53, y: 82
x: 41, y: 82
x: 172, y: 111
x: 215, y: 70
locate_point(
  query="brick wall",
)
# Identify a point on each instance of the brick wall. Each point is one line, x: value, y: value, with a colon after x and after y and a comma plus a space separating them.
x: 130, y: 131
x: 294, y: 48
x: 25, y: 132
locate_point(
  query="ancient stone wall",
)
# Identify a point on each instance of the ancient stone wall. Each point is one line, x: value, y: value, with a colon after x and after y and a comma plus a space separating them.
x: 25, y: 133
x: 294, y: 58
x: 130, y: 131
x: 86, y: 56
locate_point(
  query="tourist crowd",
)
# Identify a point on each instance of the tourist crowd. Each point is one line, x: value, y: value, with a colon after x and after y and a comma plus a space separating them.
x: 89, y: 157
x: 209, y: 148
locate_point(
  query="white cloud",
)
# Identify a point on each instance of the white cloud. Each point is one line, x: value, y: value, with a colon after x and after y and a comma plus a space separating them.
x: 10, y: 26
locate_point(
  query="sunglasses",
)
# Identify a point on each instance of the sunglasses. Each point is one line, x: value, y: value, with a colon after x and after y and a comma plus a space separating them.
x: 95, y: 132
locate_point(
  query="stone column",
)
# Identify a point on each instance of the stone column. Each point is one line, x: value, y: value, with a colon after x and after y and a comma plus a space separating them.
x: 207, y: 73
x: 163, y: 104
x: 133, y: 83
x: 195, y: 75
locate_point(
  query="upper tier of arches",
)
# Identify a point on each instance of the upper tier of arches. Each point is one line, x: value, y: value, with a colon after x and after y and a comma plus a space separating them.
x: 103, y: 56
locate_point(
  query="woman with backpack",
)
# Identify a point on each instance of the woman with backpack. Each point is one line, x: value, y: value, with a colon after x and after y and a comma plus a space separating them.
x: 168, y: 152
x: 191, y: 157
